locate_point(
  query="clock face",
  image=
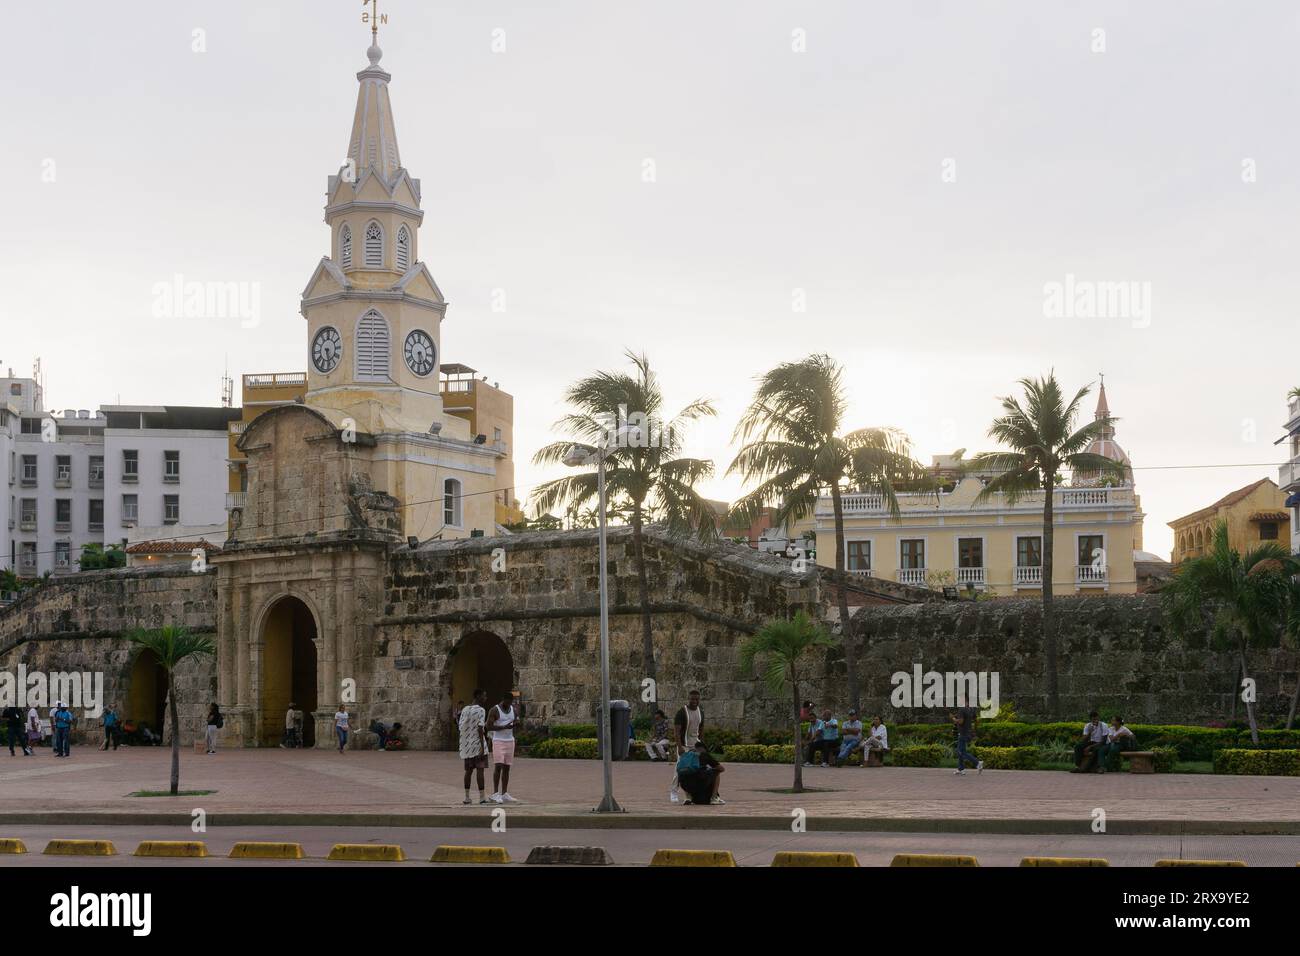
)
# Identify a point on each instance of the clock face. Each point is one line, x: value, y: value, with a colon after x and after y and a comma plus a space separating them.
x: 326, y: 349
x: 421, y: 354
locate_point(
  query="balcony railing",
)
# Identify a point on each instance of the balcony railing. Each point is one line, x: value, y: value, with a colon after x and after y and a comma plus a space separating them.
x: 275, y: 380
x: 1288, y: 476
x: 237, y: 428
x: 1029, y: 575
x: 1087, y: 574
x: 27, y: 523
x: 911, y: 576
x: 27, y: 565
x: 970, y: 576
x: 236, y: 499
x: 1066, y: 499
x: 861, y: 572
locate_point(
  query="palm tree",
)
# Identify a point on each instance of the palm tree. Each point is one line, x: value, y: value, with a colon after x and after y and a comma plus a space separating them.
x: 1245, y: 598
x: 1291, y: 634
x: 1294, y: 393
x: 780, y: 646
x: 172, y: 645
x: 643, y: 475
x: 794, y: 450
x: 1044, y: 444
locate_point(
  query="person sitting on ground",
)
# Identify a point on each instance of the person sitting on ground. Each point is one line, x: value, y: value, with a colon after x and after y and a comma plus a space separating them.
x: 394, y: 740
x: 1118, y: 739
x: 877, y: 740
x: 699, y: 773
x: 1090, y: 742
x: 851, y: 738
x: 656, y: 747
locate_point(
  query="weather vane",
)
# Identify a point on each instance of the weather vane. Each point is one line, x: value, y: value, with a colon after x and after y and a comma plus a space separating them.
x: 374, y: 18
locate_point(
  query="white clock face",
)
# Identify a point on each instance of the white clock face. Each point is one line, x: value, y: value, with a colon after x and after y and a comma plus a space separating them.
x: 326, y: 349
x: 421, y: 354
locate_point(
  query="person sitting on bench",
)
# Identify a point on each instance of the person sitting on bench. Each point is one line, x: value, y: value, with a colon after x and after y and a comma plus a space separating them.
x: 1118, y: 739
x: 851, y: 739
x: 877, y: 740
x: 1090, y: 743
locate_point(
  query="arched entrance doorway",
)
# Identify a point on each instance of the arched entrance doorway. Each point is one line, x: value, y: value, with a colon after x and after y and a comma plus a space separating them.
x: 146, y: 704
x: 481, y: 660
x: 288, y: 669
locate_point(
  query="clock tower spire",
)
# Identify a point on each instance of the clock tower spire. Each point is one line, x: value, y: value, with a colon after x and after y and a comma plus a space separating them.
x: 374, y: 312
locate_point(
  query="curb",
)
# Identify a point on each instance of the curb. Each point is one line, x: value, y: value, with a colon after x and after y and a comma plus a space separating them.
x: 367, y: 852
x: 470, y: 854
x: 933, y: 859
x: 251, y: 850
x: 669, y: 821
x: 80, y: 848
x: 186, y: 848
x: 692, y: 858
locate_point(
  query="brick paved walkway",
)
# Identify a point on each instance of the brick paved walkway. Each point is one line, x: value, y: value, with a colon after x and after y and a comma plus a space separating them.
x: 421, y: 784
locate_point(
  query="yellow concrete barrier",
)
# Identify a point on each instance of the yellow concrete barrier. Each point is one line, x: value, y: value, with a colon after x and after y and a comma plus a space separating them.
x: 80, y: 848
x: 193, y: 848
x: 470, y: 854
x: 266, y: 851
x: 1063, y: 861
x: 932, y: 859
x: 813, y: 858
x: 692, y: 858
x: 368, y: 852
x: 12, y: 845
x: 1200, y: 862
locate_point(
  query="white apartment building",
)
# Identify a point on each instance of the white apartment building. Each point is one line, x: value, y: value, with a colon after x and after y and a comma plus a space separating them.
x: 165, y: 468
x: 55, y: 482
x: 1288, y: 478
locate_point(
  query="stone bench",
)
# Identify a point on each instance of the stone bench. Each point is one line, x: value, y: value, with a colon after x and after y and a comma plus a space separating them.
x: 1140, y: 761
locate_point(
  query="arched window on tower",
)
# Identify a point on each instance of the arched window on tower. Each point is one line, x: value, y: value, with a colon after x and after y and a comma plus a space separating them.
x: 403, y: 249
x: 372, y: 348
x: 345, y: 246
x: 451, y: 499
x: 374, y: 246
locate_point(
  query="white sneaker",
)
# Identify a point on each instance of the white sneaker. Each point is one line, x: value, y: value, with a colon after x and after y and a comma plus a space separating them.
x: 979, y: 767
x: 496, y: 798
x: 718, y: 802
x: 959, y: 773
x: 506, y: 798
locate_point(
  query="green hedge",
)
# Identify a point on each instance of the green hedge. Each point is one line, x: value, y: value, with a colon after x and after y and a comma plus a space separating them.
x: 922, y: 755
x: 572, y: 731
x: 1166, y: 759
x: 1008, y: 758
x: 759, y: 753
x: 583, y: 748
x: 1264, y: 763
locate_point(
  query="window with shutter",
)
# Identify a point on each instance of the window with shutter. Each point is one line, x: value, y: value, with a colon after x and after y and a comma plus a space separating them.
x: 345, y: 246
x: 403, y: 249
x: 372, y: 348
x: 374, y: 245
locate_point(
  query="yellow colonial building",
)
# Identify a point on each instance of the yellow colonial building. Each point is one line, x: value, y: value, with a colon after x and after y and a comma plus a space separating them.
x: 1256, y: 514
x: 994, y: 546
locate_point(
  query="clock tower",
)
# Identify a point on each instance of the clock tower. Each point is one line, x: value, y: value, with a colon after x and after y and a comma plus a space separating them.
x: 374, y: 313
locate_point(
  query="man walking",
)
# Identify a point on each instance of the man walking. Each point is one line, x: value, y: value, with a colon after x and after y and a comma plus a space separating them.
x: 111, y: 726
x: 473, y: 742
x: 963, y: 722
x: 33, y: 728
x: 501, y: 722
x: 14, y: 728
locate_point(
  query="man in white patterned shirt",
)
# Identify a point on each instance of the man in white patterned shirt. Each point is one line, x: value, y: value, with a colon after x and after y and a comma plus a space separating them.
x: 473, y: 743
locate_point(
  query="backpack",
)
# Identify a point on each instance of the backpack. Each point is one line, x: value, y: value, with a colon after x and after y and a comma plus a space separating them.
x: 688, y: 761
x: 220, y: 721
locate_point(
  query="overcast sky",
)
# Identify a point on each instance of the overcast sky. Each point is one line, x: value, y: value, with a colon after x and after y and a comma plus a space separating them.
x: 913, y: 176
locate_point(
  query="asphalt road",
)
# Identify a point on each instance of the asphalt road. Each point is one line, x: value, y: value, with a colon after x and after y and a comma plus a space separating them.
x: 635, y: 847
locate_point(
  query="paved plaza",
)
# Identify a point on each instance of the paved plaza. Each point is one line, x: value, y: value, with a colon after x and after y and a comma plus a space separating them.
x: 322, y: 787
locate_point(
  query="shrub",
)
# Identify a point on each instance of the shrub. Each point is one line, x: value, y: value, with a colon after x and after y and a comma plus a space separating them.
x: 771, y: 736
x: 923, y: 755
x: 719, y: 738
x: 1166, y: 759
x: 573, y: 731
x: 1264, y: 763
x: 1008, y: 758
x: 582, y: 748
x: 778, y: 753
x: 745, y: 753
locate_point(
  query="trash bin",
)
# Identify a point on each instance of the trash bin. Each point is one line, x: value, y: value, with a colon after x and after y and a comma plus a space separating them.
x: 620, y: 719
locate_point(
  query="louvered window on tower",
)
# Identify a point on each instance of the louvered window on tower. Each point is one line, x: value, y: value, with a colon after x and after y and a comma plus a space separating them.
x: 374, y: 245
x: 372, y: 348
x: 403, y: 249
x: 345, y: 246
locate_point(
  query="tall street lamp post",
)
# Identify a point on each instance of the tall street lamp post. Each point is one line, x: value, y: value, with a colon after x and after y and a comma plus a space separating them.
x: 577, y: 456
